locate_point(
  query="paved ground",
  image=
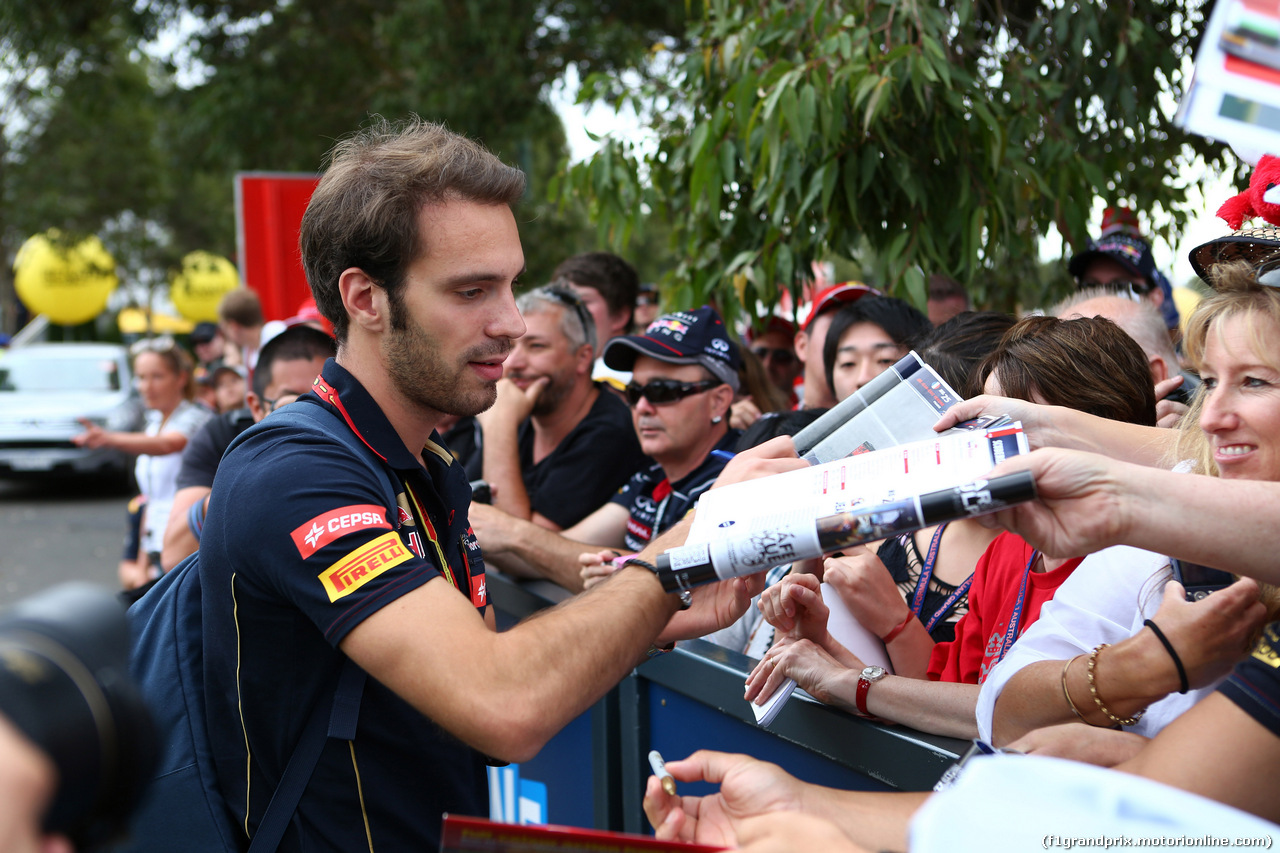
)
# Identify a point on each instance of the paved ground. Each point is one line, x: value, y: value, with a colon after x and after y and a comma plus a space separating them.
x: 58, y: 530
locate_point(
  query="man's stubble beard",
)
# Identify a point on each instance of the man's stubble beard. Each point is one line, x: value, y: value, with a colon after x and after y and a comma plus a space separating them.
x: 418, y: 369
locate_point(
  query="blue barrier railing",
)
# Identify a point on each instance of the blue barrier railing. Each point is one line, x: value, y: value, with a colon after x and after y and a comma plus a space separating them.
x: 593, y: 772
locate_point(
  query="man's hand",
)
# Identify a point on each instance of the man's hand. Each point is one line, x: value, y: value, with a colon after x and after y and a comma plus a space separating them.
x: 715, y: 606
x: 493, y: 528
x: 748, y: 788
x: 775, y: 456
x: 787, y: 832
x: 512, y: 405
x: 1079, y: 742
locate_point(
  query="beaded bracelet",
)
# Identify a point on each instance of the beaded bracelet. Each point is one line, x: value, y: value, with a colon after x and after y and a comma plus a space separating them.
x: 1093, y: 691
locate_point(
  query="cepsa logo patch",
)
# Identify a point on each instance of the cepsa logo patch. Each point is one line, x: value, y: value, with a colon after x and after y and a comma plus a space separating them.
x: 363, y: 565
x: 323, y: 529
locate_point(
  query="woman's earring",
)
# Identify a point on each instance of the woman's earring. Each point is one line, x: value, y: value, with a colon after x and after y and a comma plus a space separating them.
x: 717, y: 419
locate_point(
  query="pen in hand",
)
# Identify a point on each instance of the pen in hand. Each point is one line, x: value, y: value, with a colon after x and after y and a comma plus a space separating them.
x: 660, y: 770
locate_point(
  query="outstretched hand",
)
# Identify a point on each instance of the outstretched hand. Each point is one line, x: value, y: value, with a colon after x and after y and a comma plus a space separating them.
x: 1078, y: 509
x: 866, y: 587
x: 715, y: 606
x: 775, y: 456
x: 1035, y: 418
x: 748, y: 788
x: 794, y: 606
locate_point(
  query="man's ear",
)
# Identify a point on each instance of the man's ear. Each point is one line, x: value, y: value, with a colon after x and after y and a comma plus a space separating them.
x: 364, y: 300
x: 254, y: 402
x: 585, y: 359
x: 801, y: 344
x: 1159, y: 369
x: 721, y: 399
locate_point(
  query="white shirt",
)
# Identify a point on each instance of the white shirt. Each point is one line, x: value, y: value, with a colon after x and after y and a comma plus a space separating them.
x: 1105, y: 600
x: 157, y: 475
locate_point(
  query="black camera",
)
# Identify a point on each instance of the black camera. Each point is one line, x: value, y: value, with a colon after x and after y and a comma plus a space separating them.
x: 65, y: 684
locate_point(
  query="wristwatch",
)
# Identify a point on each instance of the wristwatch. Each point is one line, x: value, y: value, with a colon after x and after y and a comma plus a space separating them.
x: 868, y: 677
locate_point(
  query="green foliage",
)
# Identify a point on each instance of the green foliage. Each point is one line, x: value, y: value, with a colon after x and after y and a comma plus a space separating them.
x: 95, y: 137
x: 918, y: 136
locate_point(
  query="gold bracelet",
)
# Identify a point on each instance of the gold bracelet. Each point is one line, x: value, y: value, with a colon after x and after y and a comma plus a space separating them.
x: 1067, y: 694
x: 1093, y: 691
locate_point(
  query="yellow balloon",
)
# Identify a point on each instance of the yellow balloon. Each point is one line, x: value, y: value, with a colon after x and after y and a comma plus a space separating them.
x: 200, y: 285
x: 68, y: 284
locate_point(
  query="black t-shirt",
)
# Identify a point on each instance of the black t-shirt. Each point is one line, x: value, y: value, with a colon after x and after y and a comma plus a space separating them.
x: 1255, y: 684
x: 204, y: 450
x: 465, y: 441
x: 588, y: 467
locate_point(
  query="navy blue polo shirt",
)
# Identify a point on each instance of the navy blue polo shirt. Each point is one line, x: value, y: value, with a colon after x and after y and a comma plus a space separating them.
x: 299, y: 546
x: 655, y: 503
x: 1255, y: 683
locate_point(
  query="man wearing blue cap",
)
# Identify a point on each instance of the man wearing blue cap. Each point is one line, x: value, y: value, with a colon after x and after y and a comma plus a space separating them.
x: 684, y: 378
x: 1121, y: 260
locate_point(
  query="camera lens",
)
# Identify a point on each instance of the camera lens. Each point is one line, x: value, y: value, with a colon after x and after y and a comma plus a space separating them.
x: 64, y: 681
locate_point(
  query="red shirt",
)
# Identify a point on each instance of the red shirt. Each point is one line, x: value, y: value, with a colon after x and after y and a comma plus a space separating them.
x: 981, y: 633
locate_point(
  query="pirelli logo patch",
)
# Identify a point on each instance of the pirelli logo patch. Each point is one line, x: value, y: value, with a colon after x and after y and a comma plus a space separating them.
x: 323, y: 529
x: 363, y: 565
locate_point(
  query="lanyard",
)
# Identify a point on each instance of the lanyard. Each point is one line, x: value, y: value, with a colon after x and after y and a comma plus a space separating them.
x: 430, y: 530
x: 1011, y: 633
x: 922, y: 586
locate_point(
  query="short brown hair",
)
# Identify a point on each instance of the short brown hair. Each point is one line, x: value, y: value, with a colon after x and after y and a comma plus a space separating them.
x: 614, y: 279
x: 364, y: 212
x: 241, y: 306
x: 1088, y: 363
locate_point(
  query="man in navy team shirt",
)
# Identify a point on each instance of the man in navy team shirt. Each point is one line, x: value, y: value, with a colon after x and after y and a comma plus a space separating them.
x: 412, y: 251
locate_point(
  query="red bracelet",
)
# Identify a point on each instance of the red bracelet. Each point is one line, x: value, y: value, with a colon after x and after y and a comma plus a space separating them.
x: 893, y: 635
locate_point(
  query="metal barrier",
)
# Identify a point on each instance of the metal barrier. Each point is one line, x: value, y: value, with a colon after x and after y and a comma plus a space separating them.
x: 593, y: 773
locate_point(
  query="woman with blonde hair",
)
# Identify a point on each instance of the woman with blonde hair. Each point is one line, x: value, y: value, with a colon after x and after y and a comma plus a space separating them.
x: 1117, y: 638
x: 163, y: 373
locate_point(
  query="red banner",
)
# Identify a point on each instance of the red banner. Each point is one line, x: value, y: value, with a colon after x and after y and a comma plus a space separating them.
x: 269, y: 208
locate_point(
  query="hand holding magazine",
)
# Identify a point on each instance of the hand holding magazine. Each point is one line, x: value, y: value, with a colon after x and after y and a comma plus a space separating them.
x: 738, y: 529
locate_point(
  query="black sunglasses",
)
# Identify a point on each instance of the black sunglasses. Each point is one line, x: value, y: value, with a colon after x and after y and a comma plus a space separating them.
x: 661, y: 391
x: 565, y: 296
x: 1141, y: 288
